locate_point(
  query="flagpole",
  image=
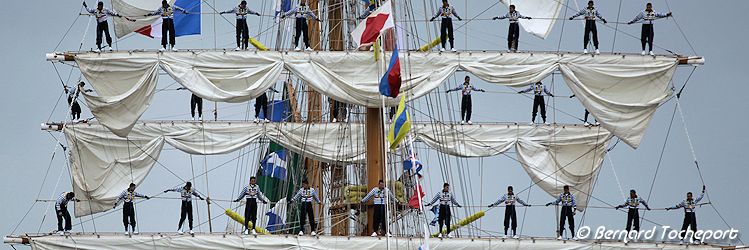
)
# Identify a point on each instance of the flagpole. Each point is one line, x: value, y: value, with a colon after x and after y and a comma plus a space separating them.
x: 385, y: 158
x: 419, y: 188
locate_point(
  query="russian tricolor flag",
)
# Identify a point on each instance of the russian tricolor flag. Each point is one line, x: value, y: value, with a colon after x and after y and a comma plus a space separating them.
x: 390, y: 84
x: 367, y: 32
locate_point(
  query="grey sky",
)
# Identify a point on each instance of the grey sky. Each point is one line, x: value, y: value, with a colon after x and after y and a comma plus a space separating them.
x: 713, y: 106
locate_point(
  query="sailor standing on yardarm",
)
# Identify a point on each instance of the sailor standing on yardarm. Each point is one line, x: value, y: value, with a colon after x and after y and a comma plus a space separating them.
x: 466, y: 104
x: 538, y: 100
x: 186, y: 194
x: 128, y: 207
x: 445, y: 198
x: 243, y: 32
x: 590, y: 13
x: 380, y: 194
x: 61, y: 209
x: 569, y: 205
x: 633, y: 206
x: 253, y: 194
x: 261, y: 103
x: 446, y: 27
x: 301, y: 13
x: 690, y: 220
x: 647, y: 33
x: 513, y: 33
x: 73, y: 92
x: 307, y: 195
x: 510, y: 215
x: 102, y: 26
x: 167, y: 26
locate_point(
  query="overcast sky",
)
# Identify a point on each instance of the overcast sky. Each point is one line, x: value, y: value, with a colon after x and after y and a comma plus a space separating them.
x: 713, y: 103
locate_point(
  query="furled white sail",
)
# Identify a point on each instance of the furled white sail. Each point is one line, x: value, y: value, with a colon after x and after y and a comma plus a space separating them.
x: 622, y: 92
x: 543, y: 12
x: 135, y: 9
x: 103, y: 164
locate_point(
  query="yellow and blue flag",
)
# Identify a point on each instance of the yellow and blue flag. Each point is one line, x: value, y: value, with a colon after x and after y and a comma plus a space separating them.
x: 401, y: 124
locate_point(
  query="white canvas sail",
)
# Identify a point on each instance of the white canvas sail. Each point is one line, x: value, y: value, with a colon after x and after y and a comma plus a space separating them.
x: 543, y: 12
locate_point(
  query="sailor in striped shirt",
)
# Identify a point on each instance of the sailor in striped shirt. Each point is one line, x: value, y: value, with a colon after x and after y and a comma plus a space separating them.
x: 301, y: 13
x: 538, y: 100
x: 513, y: 33
x: 167, y: 26
x: 633, y: 205
x: 569, y: 205
x: 445, y: 198
x: 61, y: 209
x: 307, y: 195
x: 380, y: 194
x: 590, y: 13
x: 647, y: 34
x: 102, y: 26
x: 690, y: 220
x: 243, y: 32
x: 186, y: 193
x: 509, y: 199
x: 446, y: 27
x: 466, y: 104
x: 253, y: 194
x: 128, y: 208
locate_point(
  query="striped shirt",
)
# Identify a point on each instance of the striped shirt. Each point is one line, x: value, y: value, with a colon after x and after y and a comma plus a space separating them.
x: 186, y: 194
x: 444, y: 198
x: 567, y: 200
x: 509, y: 200
x: 538, y: 90
x: 589, y: 14
x: 241, y: 12
x: 466, y: 89
x: 128, y: 196
x: 513, y: 16
x: 166, y: 13
x: 62, y: 201
x: 634, y: 203
x: 252, y: 192
x: 689, y: 205
x: 306, y: 195
x: 300, y: 12
x: 648, y: 17
x: 446, y: 12
x: 101, y: 15
x: 379, y: 195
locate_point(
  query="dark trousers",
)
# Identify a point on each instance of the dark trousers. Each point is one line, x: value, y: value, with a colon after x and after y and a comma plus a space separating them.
x: 392, y: 112
x: 262, y: 103
x: 379, y: 218
x: 567, y: 213
x: 586, y: 116
x: 250, y: 212
x: 301, y: 29
x: 510, y: 215
x: 690, y: 221
x: 538, y: 102
x: 75, y: 109
x: 446, y: 32
x: 103, y: 27
x: 513, y: 34
x: 186, y: 211
x: 128, y: 215
x: 339, y: 110
x: 63, y: 214
x: 466, y: 107
x: 444, y: 218
x: 168, y: 27
x: 633, y: 219
x: 307, y: 213
x: 196, y: 102
x: 646, y: 36
x: 590, y: 27
x: 243, y: 33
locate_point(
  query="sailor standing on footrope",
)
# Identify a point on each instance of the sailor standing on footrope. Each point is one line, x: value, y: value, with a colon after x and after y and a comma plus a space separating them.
x: 690, y: 220
x: 466, y: 105
x: 73, y: 92
x: 513, y: 33
x: 590, y: 13
x: 445, y: 198
x: 509, y: 199
x: 306, y: 195
x: 569, y: 205
x: 538, y: 100
x: 633, y: 205
x: 61, y: 209
x: 128, y: 207
x: 261, y: 103
x: 253, y: 193
x: 647, y: 33
x: 301, y: 13
x: 379, y: 194
x: 167, y: 26
x: 585, y: 117
x: 446, y: 27
x: 102, y: 26
x: 243, y: 32
x: 186, y: 193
